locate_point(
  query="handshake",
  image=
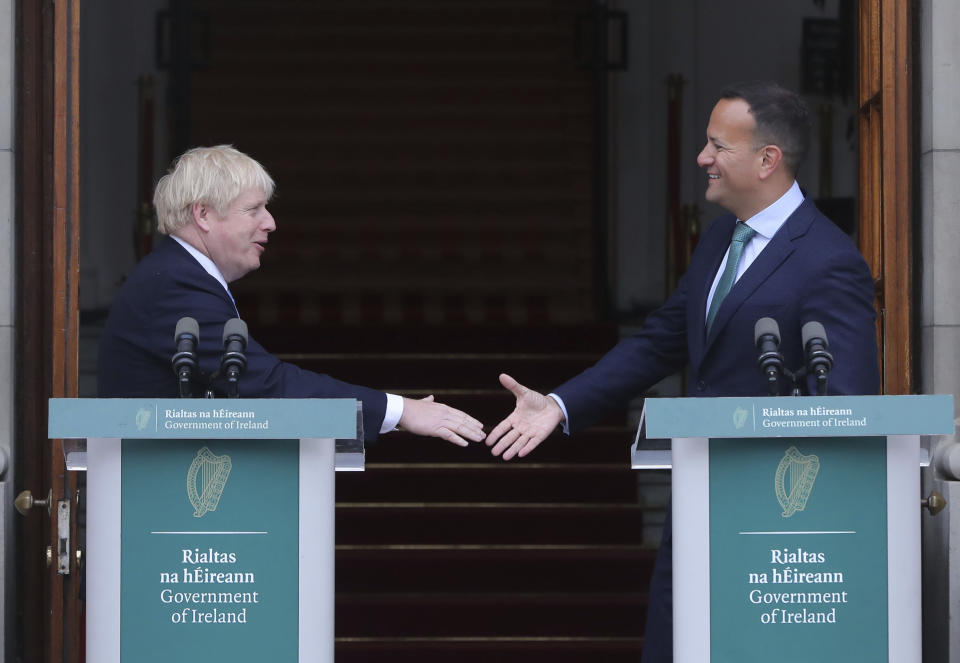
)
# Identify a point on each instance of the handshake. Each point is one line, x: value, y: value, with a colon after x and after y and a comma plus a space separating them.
x: 534, y: 417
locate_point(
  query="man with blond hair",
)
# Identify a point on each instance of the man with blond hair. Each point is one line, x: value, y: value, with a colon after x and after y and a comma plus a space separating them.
x: 212, y: 205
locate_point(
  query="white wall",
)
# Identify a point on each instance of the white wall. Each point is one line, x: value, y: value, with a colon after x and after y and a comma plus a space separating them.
x: 710, y: 44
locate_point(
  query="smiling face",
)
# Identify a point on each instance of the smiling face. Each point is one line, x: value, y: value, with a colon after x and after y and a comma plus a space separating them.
x: 236, y: 240
x: 732, y: 159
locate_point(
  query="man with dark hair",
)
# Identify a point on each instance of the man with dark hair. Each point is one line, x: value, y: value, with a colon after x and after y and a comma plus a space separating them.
x: 775, y: 255
x: 780, y: 116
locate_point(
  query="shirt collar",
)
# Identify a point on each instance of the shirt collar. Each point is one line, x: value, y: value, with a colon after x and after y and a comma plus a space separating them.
x: 768, y: 221
x: 208, y: 265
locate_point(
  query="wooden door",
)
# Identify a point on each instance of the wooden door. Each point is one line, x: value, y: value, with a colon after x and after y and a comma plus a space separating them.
x: 48, y: 597
x: 886, y: 160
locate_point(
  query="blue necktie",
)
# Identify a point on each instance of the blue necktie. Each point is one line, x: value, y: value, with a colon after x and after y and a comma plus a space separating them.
x: 742, y: 234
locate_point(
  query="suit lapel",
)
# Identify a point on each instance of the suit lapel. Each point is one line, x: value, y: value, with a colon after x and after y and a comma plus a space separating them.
x: 773, y: 255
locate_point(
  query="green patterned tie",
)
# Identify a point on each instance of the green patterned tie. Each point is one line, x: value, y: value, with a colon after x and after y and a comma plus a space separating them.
x: 741, y: 235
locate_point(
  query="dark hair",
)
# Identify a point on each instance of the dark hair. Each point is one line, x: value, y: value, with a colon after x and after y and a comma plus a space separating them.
x: 782, y: 118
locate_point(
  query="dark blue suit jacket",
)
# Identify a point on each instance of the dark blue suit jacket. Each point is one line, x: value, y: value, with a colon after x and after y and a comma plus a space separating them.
x: 138, y: 341
x: 810, y: 270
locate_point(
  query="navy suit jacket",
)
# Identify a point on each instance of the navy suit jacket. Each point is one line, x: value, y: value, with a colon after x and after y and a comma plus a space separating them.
x: 810, y: 271
x: 138, y: 341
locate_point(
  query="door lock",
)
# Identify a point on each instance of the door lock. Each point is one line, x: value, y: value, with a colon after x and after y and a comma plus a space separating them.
x: 25, y: 501
x: 63, y: 537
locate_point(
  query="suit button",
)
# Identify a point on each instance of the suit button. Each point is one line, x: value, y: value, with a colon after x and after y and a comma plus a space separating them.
x: 701, y: 385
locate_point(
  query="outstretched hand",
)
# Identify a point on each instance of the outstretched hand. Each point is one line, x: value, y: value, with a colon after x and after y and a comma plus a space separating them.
x: 424, y: 417
x: 532, y: 420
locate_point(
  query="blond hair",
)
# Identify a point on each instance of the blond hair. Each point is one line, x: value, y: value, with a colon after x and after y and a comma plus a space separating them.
x: 213, y: 176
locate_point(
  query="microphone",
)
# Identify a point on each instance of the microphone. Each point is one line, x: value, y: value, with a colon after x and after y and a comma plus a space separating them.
x: 766, y: 336
x: 816, y: 350
x: 234, y: 361
x: 185, y: 338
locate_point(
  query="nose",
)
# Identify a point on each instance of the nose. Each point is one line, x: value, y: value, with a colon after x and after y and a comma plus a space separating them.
x: 269, y: 223
x: 705, y: 158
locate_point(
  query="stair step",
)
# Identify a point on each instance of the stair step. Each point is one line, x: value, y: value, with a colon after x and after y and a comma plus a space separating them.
x: 490, y: 406
x: 460, y: 371
x: 493, y: 568
x: 476, y: 482
x: 485, y: 649
x: 490, y: 522
x: 540, y: 614
x: 496, y: 550
x: 445, y: 338
x: 609, y: 444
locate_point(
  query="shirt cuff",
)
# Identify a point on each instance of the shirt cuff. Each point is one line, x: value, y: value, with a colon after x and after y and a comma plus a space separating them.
x: 393, y: 413
x: 563, y: 408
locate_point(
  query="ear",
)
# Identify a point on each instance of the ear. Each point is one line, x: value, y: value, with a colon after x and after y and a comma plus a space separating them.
x: 201, y: 216
x: 771, y: 158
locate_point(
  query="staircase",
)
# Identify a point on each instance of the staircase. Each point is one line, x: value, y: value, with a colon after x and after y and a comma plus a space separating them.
x: 434, y: 160
x: 448, y: 553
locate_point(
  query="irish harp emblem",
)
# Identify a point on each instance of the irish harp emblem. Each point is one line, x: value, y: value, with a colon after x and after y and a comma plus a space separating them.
x: 205, y: 481
x: 794, y: 480
x: 740, y: 417
x: 143, y: 418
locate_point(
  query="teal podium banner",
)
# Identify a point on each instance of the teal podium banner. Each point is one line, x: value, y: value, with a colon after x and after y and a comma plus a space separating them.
x: 796, y: 527
x: 798, y: 549
x: 208, y: 418
x: 802, y: 416
x: 210, y: 524
x: 209, y: 550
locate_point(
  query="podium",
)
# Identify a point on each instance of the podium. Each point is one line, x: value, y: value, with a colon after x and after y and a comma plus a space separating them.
x: 796, y: 524
x: 210, y: 524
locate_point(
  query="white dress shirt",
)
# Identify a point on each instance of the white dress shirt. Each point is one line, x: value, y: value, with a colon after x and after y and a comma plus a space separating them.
x: 766, y: 223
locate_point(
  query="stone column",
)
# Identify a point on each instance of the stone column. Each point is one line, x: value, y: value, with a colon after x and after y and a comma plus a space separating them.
x: 939, y: 162
x: 7, y: 318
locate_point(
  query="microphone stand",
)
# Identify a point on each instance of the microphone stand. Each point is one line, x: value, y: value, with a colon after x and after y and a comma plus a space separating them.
x: 820, y: 370
x: 797, y: 378
x: 183, y: 377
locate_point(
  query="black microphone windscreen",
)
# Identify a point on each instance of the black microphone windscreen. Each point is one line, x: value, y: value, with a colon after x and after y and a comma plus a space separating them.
x: 764, y: 327
x: 186, y: 325
x: 235, y: 327
x: 813, y: 330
